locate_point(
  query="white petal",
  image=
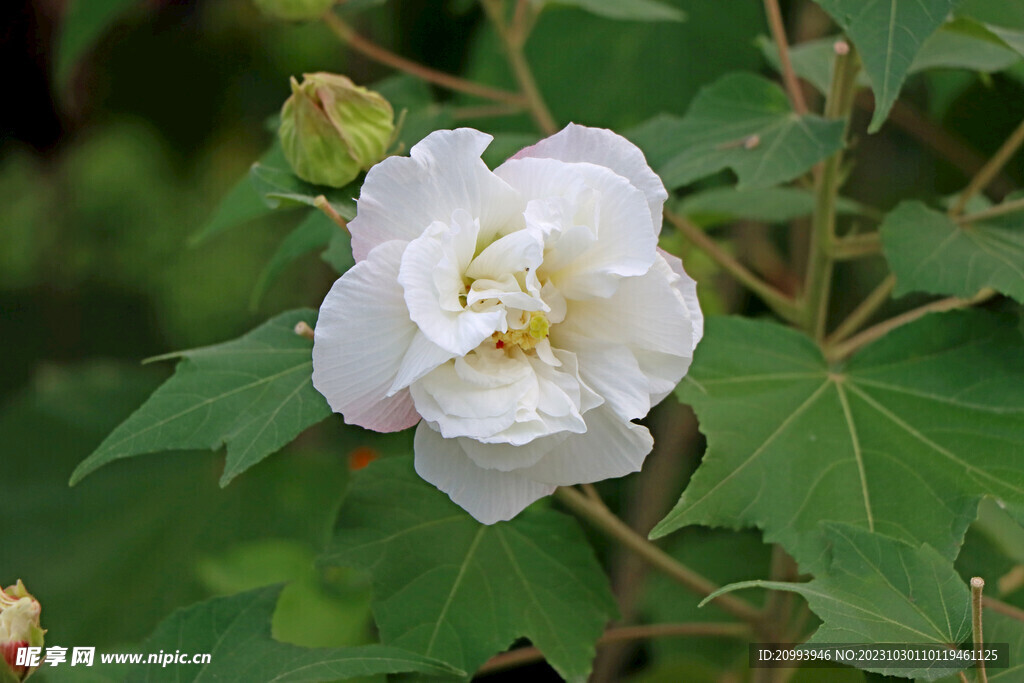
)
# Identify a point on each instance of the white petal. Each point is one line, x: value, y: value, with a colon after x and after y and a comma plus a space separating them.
x: 647, y: 316
x: 487, y: 494
x: 604, y: 148
x: 611, y: 447
x: 615, y: 374
x: 623, y: 239
x: 512, y: 253
x: 422, y: 356
x: 506, y: 457
x: 362, y: 334
x: 687, y: 286
x: 431, y: 274
x: 401, y: 196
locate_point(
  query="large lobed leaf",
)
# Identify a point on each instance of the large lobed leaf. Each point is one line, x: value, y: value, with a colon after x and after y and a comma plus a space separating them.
x: 453, y: 589
x: 888, y: 35
x: 235, y: 632
x: 930, y: 252
x: 903, y: 440
x: 253, y: 394
x: 743, y: 122
x: 880, y: 590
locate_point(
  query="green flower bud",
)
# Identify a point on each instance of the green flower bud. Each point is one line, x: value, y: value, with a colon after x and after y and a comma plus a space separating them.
x: 19, y: 628
x: 294, y: 10
x: 331, y: 129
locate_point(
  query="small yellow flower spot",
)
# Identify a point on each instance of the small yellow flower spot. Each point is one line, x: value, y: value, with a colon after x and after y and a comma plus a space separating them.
x: 536, y: 330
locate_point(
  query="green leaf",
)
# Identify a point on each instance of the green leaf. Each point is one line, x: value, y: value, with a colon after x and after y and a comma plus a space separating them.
x: 338, y: 254
x: 770, y: 204
x: 451, y: 588
x: 930, y: 252
x: 636, y: 10
x: 597, y: 67
x: 157, y: 516
x: 1008, y: 13
x: 888, y: 35
x: 967, y: 44
x: 314, y: 232
x: 959, y: 44
x: 84, y: 22
x: 903, y: 439
x: 881, y: 590
x: 235, y: 632
x: 743, y: 122
x: 274, y: 181
x: 253, y: 394
x: 1001, y: 628
x: 241, y: 204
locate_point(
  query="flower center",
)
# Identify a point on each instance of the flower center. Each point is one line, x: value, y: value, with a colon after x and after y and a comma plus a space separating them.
x: 535, y: 330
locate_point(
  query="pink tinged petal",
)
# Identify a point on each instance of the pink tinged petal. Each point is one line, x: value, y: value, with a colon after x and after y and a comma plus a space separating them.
x: 687, y: 286
x: 613, y: 210
x: 401, y: 196
x: 362, y: 335
x: 610, y: 448
x: 604, y: 148
x: 430, y: 275
x: 489, y: 495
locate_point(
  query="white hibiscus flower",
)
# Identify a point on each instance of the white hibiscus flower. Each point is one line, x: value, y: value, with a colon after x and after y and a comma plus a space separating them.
x: 523, y: 317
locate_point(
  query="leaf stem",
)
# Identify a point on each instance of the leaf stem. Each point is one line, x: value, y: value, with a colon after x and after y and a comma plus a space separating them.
x: 527, y: 655
x: 990, y: 170
x: 784, y: 306
x: 321, y: 203
x: 513, y: 39
x: 977, y: 587
x: 844, y: 349
x: 603, y: 518
x: 860, y: 315
x: 855, y: 246
x: 998, y: 210
x: 818, y: 280
x: 778, y: 28
x: 350, y: 37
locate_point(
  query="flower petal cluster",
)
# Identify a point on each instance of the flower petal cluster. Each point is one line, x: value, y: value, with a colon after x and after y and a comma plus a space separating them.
x: 522, y: 317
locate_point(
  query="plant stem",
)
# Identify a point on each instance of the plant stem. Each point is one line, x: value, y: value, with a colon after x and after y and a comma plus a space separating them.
x: 997, y: 210
x: 818, y: 281
x: 526, y: 655
x: 860, y: 315
x: 602, y: 518
x: 844, y: 349
x: 855, y: 246
x: 377, y: 53
x: 485, y: 110
x: 776, y: 300
x: 977, y: 586
x: 321, y: 203
x: 1003, y: 608
x: 778, y: 28
x: 513, y: 40
x: 990, y: 170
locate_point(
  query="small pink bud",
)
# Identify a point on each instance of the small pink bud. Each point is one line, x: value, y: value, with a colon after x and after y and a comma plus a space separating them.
x: 841, y: 47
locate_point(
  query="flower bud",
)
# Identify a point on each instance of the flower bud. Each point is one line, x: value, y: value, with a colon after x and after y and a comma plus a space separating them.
x: 19, y: 628
x: 331, y: 129
x: 294, y: 10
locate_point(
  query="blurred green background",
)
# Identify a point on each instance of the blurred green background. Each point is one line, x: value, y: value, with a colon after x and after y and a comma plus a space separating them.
x: 102, y: 182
